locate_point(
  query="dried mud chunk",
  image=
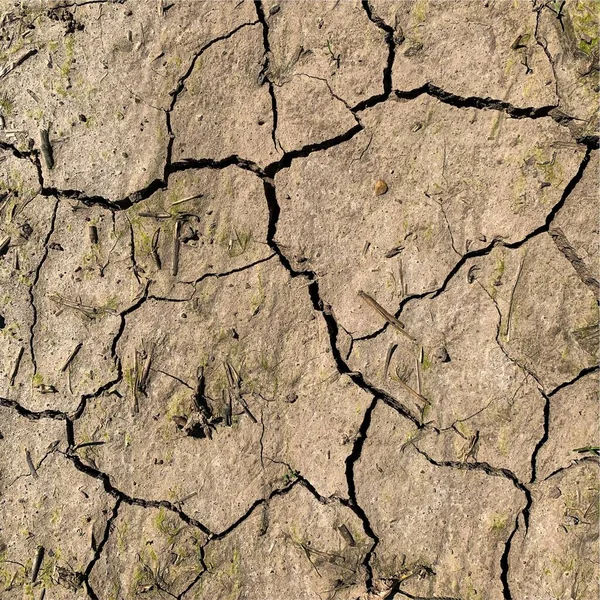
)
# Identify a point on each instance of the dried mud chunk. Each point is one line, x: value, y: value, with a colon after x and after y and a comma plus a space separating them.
x: 441, y: 530
x: 574, y: 415
x: 486, y: 407
x: 331, y: 40
x: 437, y: 205
x: 150, y: 552
x: 300, y: 555
x: 280, y: 348
x: 79, y: 295
x: 545, y: 307
x: 117, y: 71
x: 468, y: 49
x: 558, y: 556
x: 222, y: 119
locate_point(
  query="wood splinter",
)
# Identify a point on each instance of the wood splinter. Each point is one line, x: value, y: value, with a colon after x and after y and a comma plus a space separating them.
x: 154, y: 248
x: 511, y: 301
x: 15, y: 370
x: 175, y: 263
x: 71, y: 357
x: 391, y: 319
x: 30, y: 464
x: 410, y: 390
x: 46, y: 148
x: 37, y: 563
x: 93, y: 234
x: 388, y: 359
x: 345, y: 533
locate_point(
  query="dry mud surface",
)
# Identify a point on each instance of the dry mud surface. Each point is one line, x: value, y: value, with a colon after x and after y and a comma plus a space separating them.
x: 299, y: 300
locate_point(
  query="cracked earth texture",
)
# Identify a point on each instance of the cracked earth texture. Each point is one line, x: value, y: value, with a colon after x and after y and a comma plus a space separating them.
x: 299, y: 300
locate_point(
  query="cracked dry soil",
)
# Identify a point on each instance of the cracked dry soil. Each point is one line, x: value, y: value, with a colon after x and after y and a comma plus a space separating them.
x: 299, y: 300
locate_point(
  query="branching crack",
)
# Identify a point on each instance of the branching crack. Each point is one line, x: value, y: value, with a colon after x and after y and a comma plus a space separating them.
x: 390, y: 42
x: 524, y: 512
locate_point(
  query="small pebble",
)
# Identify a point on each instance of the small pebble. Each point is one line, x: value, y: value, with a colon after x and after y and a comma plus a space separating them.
x: 441, y: 355
x: 26, y: 230
x: 291, y: 397
x: 380, y: 187
x: 274, y: 9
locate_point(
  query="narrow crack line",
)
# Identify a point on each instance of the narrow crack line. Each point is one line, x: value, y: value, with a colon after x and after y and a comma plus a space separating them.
x: 543, y: 439
x: 580, y: 375
x: 132, y: 500
x: 36, y: 278
x: 31, y: 414
x: 504, y: 561
x: 494, y: 104
x: 198, y: 576
x: 22, y: 154
x: 488, y: 470
x: 421, y: 597
x: 432, y: 294
x: 527, y: 371
x: 232, y: 271
x: 475, y: 466
x: 389, y: 34
x: 154, y: 186
x: 561, y: 202
x: 100, y: 547
x: 353, y: 503
x: 84, y: 3
x: 260, y: 15
x: 331, y: 93
x: 113, y: 205
x: 114, y: 355
x: 286, y: 160
x: 278, y: 492
x: 574, y: 463
x: 187, y: 164
x: 304, y: 482
x: 209, y: 275
x: 180, y: 85
x: 440, y: 203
